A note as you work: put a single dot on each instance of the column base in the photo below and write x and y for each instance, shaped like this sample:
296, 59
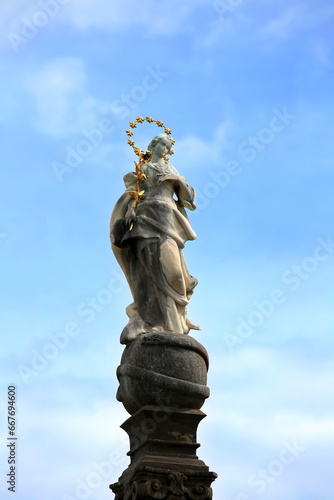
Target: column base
164, 464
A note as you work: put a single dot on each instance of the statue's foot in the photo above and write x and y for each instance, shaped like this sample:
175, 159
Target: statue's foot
192, 325
137, 327
128, 335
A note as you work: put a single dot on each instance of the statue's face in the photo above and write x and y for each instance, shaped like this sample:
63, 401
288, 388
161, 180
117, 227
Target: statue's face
162, 148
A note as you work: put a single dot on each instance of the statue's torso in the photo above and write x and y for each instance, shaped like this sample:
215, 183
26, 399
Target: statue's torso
155, 188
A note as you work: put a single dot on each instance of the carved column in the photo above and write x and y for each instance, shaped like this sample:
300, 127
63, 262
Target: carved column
162, 380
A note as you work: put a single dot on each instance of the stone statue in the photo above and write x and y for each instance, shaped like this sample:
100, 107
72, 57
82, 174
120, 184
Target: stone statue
148, 229
163, 373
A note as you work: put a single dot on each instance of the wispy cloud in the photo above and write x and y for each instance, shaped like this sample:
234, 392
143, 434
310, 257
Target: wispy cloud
300, 15
194, 151
283, 25
216, 90
155, 18
322, 53
261, 399
63, 105
268, 397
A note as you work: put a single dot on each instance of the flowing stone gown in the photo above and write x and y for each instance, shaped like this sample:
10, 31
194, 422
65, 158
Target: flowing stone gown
152, 247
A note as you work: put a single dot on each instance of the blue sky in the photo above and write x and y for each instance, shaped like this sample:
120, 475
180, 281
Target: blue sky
247, 89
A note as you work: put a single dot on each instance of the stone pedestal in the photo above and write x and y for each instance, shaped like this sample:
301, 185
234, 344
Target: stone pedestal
163, 385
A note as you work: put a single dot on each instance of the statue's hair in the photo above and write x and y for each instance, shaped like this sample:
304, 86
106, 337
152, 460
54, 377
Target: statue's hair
155, 141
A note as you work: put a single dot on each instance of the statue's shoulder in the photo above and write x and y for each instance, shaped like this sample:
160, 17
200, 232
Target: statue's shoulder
149, 170
130, 179
173, 169
151, 175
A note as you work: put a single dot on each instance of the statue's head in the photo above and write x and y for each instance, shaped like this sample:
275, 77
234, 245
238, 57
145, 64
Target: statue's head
158, 138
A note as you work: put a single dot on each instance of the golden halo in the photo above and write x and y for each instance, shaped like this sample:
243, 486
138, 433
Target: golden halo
145, 156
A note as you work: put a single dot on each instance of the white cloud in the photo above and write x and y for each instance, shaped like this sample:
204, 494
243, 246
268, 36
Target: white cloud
11, 13
263, 24
193, 151
260, 400
63, 104
282, 26
270, 394
322, 54
76, 437
302, 15
153, 17
24, 21
308, 427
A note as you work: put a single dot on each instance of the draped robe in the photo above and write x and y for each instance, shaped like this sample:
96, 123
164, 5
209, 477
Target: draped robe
160, 217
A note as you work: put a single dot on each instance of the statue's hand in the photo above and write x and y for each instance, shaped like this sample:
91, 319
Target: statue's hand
130, 216
130, 222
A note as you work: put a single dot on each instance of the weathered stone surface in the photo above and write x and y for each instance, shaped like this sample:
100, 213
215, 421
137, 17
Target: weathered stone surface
148, 237
163, 369
149, 483
164, 464
163, 386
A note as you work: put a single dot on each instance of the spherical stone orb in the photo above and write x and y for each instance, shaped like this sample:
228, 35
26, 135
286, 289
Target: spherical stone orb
163, 369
